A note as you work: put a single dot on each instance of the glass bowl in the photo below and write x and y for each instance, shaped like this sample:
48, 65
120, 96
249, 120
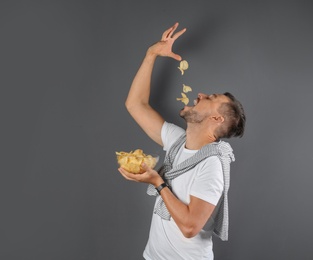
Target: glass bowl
133, 160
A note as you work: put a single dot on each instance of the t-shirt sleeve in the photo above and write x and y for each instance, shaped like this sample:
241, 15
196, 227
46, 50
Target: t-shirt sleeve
169, 134
209, 181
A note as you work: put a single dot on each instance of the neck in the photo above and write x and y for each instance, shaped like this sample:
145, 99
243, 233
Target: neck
197, 136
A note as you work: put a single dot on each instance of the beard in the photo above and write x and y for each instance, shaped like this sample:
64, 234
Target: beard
192, 116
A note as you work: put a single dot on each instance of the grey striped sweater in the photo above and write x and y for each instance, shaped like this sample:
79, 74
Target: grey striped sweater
220, 149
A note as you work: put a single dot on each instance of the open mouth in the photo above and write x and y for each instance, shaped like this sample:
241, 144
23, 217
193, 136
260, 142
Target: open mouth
196, 101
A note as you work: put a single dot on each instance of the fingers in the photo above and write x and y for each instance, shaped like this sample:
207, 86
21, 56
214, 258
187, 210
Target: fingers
173, 28
168, 33
127, 175
142, 177
178, 34
146, 167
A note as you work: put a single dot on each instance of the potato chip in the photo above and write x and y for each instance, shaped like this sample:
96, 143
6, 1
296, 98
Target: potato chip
183, 65
182, 71
183, 99
132, 161
186, 88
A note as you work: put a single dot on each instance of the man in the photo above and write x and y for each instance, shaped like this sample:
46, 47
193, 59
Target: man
192, 186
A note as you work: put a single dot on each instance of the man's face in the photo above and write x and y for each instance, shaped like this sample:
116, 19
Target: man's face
205, 106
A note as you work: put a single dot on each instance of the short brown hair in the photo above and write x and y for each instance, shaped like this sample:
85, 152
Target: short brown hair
234, 116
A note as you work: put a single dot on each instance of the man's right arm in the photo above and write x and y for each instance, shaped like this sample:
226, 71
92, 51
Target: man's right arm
137, 102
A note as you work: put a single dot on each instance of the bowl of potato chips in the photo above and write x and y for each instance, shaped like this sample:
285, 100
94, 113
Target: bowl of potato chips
132, 161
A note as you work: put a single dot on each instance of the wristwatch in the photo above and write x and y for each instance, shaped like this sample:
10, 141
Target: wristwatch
162, 186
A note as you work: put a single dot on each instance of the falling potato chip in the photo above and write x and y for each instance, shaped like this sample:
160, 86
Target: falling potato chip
186, 88
183, 66
183, 99
132, 161
182, 71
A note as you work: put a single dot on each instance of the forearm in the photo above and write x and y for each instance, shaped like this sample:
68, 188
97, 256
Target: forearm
189, 218
140, 89
139, 92
180, 213
137, 102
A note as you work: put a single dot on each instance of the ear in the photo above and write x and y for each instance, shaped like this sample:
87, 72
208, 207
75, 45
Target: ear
218, 119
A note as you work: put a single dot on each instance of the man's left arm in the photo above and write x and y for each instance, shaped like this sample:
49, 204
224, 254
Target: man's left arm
189, 218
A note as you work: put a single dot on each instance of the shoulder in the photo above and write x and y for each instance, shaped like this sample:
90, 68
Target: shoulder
208, 182
212, 165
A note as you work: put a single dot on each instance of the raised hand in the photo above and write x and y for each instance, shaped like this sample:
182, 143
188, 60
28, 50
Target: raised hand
164, 46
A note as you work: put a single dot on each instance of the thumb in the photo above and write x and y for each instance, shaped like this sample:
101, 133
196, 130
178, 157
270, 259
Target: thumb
176, 56
146, 167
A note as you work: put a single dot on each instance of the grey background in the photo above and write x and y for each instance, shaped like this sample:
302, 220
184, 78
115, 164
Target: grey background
66, 67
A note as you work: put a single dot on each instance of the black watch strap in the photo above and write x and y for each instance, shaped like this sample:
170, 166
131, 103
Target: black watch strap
161, 187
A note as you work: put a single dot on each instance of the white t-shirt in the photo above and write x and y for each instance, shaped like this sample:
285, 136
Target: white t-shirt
204, 181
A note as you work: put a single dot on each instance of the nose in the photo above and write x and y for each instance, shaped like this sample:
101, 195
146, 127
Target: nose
202, 96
